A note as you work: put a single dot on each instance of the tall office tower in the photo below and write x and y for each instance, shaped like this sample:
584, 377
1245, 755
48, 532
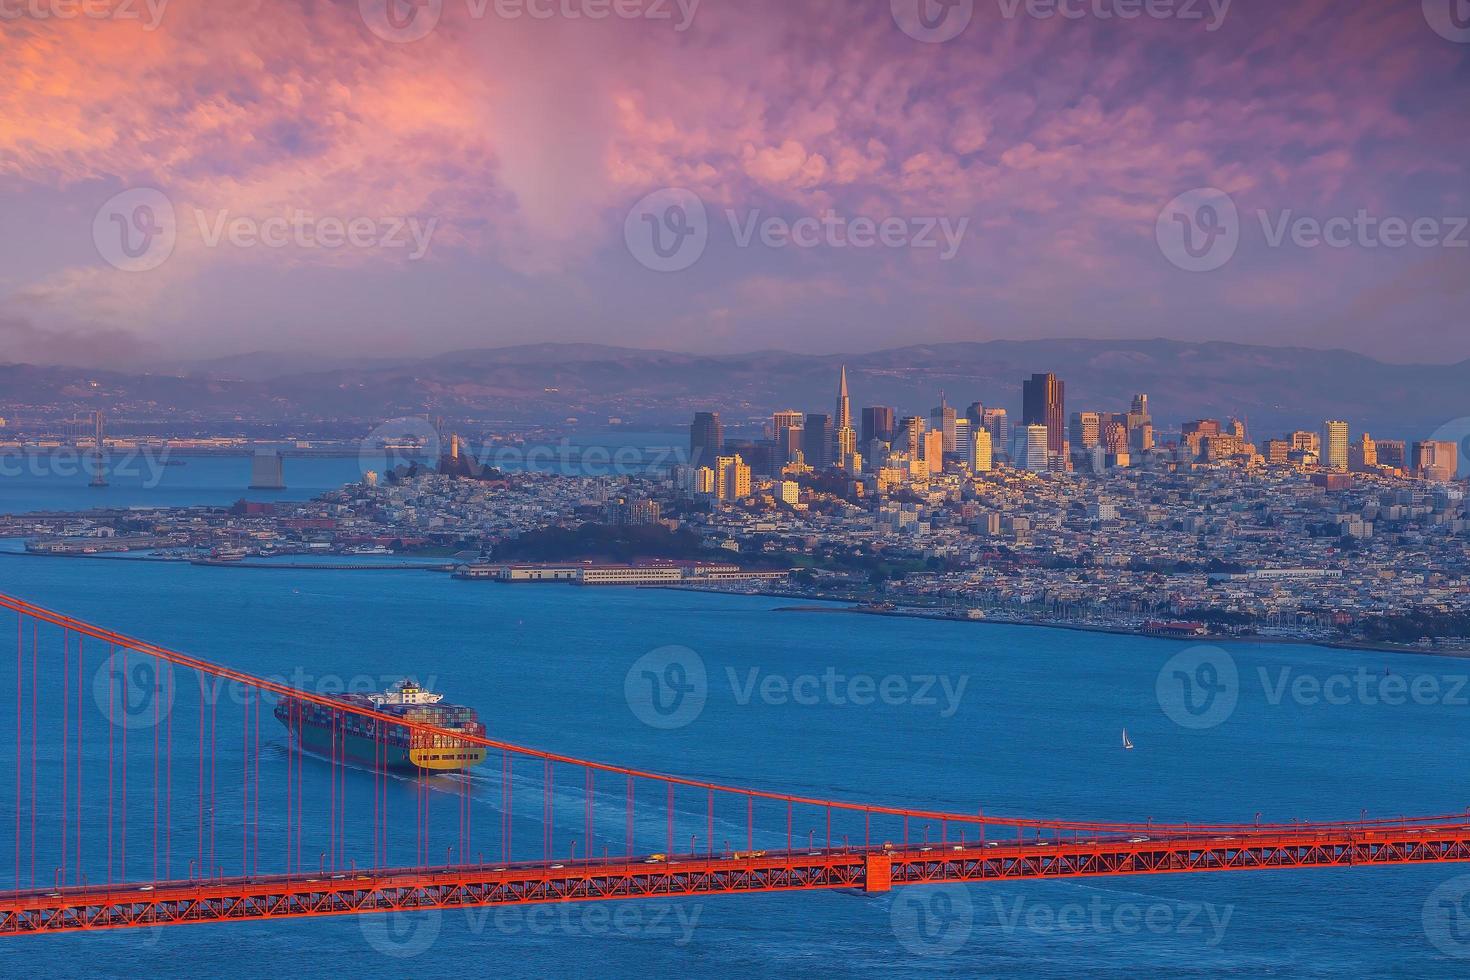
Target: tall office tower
732, 478
983, 455
788, 447
706, 438
817, 441
1044, 403
911, 434
998, 424
1038, 454
1392, 452
1140, 437
844, 403
877, 424
1306, 442
1335, 445
1114, 438
1140, 408
964, 446
846, 445
976, 414
1086, 429
943, 418
783, 422
1237, 429
934, 450
1363, 454
1436, 460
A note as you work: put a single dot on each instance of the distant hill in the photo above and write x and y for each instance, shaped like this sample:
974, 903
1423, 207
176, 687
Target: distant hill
1274, 388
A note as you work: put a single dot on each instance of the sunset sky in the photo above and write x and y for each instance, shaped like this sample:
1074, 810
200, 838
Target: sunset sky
515, 146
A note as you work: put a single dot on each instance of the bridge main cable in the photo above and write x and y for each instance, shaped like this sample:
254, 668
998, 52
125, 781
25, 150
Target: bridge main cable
205, 667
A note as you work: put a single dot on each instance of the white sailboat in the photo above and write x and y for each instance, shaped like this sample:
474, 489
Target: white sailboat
1127, 744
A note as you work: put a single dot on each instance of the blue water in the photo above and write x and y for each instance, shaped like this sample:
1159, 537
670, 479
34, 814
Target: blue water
1035, 732
60, 482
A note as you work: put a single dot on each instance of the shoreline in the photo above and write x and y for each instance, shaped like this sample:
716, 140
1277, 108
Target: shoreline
854, 607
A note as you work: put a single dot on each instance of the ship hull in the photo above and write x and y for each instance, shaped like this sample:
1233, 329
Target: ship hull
393, 755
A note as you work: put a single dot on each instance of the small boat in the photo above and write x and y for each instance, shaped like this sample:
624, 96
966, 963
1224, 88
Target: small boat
1127, 744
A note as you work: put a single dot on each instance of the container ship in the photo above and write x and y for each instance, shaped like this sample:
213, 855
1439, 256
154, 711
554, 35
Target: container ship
379, 744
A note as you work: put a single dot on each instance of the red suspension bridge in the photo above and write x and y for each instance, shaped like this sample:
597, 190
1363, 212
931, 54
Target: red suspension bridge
154, 788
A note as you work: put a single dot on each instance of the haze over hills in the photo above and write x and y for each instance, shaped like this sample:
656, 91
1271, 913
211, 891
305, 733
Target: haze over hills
1273, 388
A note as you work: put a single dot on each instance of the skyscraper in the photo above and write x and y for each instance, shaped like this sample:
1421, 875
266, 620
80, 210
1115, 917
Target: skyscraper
706, 437
877, 424
844, 403
783, 424
998, 423
1436, 460
732, 478
911, 434
942, 418
845, 437
1335, 445
1044, 403
983, 456
817, 441
1086, 429
1038, 452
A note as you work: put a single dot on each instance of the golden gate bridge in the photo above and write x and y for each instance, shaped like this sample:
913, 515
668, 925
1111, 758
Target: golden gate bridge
180, 811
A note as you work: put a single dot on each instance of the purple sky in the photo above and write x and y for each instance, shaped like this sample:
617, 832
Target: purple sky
1037, 155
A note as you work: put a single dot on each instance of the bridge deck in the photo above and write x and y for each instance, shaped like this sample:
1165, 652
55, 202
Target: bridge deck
873, 869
